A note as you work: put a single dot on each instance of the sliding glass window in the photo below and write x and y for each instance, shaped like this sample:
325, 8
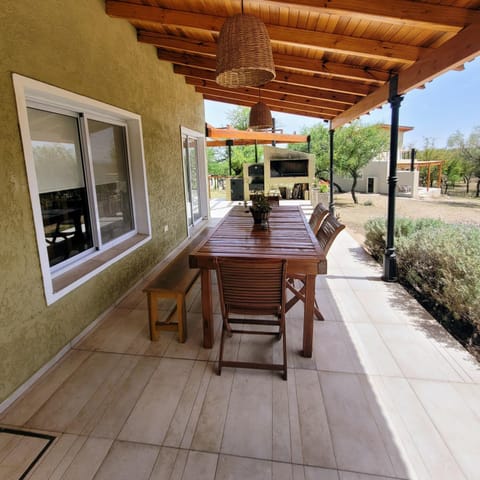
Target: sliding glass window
83, 181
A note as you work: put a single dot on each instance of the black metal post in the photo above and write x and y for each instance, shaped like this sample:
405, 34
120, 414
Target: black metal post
413, 152
274, 143
256, 152
309, 143
229, 145
331, 205
390, 257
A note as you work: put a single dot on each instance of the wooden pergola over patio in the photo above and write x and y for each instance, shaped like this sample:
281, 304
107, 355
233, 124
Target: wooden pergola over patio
428, 164
221, 137
333, 59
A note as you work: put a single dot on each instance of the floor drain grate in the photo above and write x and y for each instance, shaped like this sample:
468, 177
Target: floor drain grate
37, 450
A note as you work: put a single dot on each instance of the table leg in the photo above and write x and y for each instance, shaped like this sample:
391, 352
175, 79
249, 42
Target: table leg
207, 314
308, 315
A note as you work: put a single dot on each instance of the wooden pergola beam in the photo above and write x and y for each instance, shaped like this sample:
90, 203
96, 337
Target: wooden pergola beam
266, 96
340, 99
249, 100
249, 135
462, 48
292, 79
319, 66
284, 109
405, 12
327, 41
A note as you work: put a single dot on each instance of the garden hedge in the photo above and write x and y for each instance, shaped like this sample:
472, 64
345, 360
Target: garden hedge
440, 264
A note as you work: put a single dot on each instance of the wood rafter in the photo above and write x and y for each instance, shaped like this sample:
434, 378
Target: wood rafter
250, 135
437, 17
284, 109
333, 59
249, 100
212, 88
197, 53
326, 41
291, 79
462, 48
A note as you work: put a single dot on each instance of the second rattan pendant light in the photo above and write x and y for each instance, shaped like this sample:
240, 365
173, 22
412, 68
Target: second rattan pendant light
244, 53
260, 116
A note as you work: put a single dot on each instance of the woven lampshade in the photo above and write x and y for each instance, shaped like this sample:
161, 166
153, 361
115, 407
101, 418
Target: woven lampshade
260, 117
244, 53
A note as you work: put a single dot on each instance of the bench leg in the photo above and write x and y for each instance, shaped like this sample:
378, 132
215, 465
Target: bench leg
182, 318
207, 311
152, 316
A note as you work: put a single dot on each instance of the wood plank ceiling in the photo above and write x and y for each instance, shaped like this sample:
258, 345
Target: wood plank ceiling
333, 58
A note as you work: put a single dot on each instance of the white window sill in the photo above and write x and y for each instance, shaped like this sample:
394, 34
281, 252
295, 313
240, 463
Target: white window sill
66, 282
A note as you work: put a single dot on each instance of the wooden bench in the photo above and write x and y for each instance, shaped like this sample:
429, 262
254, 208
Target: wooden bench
174, 281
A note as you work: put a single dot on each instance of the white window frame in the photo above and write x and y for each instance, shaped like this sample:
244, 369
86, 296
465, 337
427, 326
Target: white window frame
31, 92
202, 175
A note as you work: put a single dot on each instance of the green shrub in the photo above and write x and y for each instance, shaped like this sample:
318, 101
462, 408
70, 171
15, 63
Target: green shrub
442, 263
376, 232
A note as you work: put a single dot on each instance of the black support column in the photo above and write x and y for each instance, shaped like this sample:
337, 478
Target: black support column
331, 205
390, 257
229, 145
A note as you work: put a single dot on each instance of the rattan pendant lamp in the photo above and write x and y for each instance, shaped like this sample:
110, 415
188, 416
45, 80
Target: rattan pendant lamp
244, 53
260, 116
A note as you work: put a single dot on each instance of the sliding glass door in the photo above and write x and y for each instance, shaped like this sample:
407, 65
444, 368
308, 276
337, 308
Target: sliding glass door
193, 148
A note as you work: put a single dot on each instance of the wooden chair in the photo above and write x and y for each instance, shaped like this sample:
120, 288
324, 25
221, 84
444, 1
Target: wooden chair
328, 232
248, 289
318, 215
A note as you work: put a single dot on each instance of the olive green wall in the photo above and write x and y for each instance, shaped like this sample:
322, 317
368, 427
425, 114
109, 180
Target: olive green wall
74, 45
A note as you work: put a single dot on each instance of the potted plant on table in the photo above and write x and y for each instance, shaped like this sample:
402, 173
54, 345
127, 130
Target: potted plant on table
260, 210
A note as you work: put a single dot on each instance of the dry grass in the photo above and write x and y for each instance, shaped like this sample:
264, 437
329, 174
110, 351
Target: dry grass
448, 209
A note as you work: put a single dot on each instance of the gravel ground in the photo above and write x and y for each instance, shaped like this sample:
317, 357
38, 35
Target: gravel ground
448, 209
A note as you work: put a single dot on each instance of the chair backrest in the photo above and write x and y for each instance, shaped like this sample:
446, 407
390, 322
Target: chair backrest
250, 286
329, 229
317, 217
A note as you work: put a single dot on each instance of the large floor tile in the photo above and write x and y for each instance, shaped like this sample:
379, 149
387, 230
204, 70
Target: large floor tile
237, 468
128, 461
387, 394
357, 440
416, 353
457, 422
315, 432
427, 455
154, 411
249, 423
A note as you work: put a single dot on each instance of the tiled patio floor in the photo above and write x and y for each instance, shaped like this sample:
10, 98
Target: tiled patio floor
388, 394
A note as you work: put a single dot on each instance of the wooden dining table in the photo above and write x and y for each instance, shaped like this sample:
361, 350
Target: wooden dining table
287, 237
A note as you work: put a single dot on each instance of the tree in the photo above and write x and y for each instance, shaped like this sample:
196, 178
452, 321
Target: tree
355, 146
238, 118
467, 151
429, 153
452, 171
319, 146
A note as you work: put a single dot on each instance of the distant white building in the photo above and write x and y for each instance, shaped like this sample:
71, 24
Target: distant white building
374, 176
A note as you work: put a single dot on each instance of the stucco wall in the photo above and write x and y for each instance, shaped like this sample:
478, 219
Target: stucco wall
407, 184
74, 45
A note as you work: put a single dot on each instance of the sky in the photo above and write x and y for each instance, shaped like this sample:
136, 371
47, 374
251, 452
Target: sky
448, 103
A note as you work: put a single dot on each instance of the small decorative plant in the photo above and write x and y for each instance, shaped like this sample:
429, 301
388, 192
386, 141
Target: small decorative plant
260, 203
260, 210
